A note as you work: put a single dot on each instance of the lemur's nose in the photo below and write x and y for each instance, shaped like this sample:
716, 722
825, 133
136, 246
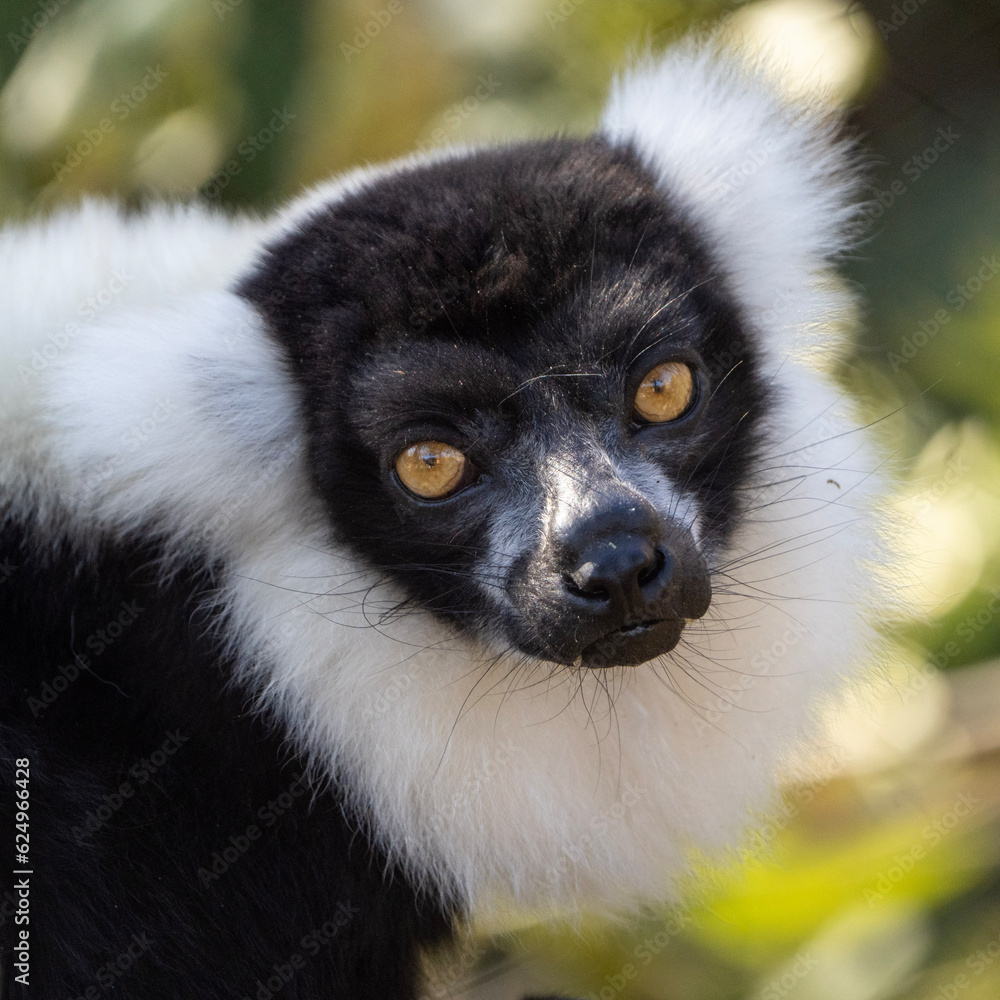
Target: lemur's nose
624, 570
615, 562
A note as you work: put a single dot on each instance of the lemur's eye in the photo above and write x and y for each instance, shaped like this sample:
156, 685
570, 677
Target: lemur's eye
433, 470
665, 393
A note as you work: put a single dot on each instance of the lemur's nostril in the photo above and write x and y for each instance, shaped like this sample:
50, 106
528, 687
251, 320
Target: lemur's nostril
615, 569
651, 571
581, 583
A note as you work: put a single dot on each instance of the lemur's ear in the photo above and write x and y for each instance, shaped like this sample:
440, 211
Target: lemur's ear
766, 178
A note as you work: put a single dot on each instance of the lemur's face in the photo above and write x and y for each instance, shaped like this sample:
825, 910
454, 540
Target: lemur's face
530, 400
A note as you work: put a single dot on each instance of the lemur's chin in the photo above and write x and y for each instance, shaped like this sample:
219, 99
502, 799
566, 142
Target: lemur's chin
635, 644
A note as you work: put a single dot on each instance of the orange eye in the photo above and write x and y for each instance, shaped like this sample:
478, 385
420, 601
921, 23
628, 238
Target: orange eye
433, 470
665, 393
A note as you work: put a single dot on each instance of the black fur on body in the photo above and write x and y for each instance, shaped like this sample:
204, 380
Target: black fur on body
205, 876
474, 298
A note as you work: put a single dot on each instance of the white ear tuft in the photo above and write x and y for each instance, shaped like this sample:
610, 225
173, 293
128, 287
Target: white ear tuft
766, 180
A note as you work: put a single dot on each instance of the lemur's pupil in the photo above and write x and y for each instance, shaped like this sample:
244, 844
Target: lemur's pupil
665, 393
432, 470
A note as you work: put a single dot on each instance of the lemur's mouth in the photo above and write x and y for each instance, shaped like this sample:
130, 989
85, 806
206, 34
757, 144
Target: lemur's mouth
634, 643
640, 626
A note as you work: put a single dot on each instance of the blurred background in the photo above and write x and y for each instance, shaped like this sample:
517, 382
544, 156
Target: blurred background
880, 879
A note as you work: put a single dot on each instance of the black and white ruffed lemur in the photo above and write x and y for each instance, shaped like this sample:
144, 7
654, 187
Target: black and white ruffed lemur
394, 558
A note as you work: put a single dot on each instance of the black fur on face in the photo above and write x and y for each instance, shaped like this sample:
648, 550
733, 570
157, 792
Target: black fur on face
508, 303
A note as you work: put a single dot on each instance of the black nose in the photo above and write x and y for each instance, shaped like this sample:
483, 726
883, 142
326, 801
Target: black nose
618, 571
615, 587
622, 572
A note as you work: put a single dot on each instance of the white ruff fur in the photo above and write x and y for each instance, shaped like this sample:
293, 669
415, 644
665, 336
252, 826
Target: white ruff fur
543, 787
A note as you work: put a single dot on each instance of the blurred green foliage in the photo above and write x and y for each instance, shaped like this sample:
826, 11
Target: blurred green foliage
881, 881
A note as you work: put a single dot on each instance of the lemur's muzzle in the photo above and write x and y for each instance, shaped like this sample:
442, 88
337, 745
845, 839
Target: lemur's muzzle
615, 587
